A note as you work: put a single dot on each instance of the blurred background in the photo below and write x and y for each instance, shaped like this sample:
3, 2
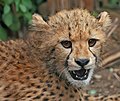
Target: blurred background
15, 16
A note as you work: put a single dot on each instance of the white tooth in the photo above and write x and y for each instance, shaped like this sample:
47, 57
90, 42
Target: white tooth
86, 72
85, 75
73, 72
76, 76
81, 78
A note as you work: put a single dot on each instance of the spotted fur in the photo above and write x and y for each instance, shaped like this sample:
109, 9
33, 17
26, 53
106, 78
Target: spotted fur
34, 69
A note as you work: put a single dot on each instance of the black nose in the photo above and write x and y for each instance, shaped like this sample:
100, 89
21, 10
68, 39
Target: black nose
82, 62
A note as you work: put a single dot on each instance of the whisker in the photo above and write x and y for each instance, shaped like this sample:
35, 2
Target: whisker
62, 72
89, 65
99, 62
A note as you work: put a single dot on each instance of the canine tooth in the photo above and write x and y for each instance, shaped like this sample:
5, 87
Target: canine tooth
85, 75
73, 72
81, 78
76, 76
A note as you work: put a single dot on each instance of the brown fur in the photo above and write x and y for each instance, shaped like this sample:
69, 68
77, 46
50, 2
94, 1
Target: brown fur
31, 69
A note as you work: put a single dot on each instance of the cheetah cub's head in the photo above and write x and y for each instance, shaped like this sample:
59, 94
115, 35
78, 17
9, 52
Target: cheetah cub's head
79, 37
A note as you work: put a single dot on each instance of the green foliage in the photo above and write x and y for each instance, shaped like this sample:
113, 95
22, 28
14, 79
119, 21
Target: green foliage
15, 15
3, 34
114, 4
95, 13
92, 92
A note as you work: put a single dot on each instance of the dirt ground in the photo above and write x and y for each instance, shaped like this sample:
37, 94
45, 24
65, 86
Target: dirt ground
106, 81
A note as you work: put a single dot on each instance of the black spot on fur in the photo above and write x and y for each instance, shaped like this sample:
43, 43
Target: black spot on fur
37, 97
44, 89
71, 96
58, 87
28, 96
69, 34
50, 76
61, 95
27, 77
69, 28
116, 99
66, 87
75, 90
111, 98
101, 98
34, 76
57, 81
6, 100
52, 93
34, 92
47, 81
45, 99
86, 98
6, 88
21, 73
106, 96
40, 81
41, 94
49, 85
32, 84
80, 99
8, 95
38, 86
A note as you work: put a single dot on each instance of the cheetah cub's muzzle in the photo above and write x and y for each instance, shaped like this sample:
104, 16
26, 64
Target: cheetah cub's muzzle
81, 74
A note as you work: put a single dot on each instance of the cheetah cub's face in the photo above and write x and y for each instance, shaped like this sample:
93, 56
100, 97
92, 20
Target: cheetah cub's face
79, 39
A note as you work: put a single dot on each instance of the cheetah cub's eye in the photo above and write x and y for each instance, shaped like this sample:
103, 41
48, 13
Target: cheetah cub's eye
92, 42
66, 44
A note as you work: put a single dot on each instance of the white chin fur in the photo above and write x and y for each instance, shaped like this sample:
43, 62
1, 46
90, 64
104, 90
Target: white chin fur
79, 83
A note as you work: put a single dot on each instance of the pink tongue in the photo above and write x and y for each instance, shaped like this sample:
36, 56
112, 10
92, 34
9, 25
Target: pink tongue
80, 72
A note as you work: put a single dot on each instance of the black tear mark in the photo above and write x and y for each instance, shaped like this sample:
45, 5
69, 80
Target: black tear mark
93, 55
66, 62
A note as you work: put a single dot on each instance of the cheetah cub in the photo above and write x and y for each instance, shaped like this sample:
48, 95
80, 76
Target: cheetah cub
56, 59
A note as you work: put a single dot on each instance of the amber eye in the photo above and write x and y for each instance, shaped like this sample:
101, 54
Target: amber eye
66, 44
92, 42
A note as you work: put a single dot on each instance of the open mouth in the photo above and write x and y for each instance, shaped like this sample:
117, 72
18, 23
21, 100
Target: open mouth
81, 74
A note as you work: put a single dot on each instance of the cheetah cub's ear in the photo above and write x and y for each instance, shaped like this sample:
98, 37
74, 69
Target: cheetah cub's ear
38, 23
104, 20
